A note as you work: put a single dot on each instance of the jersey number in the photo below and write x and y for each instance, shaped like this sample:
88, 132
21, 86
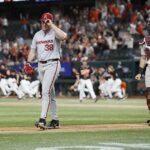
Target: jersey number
49, 47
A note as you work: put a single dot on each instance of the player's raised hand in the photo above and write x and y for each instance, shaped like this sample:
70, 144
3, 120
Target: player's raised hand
49, 22
138, 76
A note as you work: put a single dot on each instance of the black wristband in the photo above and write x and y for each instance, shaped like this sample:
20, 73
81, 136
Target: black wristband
141, 70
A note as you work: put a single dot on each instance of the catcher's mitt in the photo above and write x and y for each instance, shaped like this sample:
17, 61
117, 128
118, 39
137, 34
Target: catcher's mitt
28, 69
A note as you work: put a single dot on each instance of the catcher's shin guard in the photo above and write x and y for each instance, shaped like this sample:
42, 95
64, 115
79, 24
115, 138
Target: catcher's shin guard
147, 94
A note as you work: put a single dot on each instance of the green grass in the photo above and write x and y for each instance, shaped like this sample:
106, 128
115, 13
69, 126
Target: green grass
33, 141
24, 113
14, 113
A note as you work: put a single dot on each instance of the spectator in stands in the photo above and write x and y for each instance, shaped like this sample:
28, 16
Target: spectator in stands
13, 51
84, 24
140, 28
5, 22
24, 20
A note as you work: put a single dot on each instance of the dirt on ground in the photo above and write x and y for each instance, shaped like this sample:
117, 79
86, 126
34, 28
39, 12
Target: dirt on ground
75, 128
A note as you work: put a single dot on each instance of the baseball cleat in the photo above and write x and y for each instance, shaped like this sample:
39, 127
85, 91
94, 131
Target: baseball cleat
54, 124
148, 121
41, 124
36, 124
125, 97
81, 100
96, 99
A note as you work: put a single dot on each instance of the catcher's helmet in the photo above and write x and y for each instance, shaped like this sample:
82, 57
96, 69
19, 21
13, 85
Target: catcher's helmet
46, 16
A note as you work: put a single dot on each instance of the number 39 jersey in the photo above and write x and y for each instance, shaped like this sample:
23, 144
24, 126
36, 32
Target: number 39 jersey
47, 45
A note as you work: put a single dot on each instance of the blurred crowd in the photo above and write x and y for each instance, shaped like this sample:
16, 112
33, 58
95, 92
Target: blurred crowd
93, 32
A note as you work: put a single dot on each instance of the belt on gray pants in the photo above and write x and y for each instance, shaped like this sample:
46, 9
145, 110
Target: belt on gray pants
46, 61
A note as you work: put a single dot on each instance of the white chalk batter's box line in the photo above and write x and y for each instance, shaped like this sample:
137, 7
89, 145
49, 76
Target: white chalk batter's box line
103, 146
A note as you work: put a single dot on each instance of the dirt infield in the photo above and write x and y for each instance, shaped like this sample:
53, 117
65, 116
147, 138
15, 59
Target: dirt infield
102, 106
77, 105
75, 128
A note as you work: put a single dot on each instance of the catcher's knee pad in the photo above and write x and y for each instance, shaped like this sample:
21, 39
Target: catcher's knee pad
147, 94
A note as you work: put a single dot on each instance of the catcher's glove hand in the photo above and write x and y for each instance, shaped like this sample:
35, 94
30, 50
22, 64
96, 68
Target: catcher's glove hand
28, 69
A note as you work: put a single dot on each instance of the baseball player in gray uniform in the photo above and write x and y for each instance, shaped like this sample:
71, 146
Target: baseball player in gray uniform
145, 60
46, 45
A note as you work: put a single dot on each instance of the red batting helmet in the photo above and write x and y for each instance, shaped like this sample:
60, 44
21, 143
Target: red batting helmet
46, 16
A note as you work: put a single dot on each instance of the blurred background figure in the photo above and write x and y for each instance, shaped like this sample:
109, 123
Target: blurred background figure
104, 32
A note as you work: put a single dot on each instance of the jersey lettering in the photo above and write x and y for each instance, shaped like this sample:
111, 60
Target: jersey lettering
44, 42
